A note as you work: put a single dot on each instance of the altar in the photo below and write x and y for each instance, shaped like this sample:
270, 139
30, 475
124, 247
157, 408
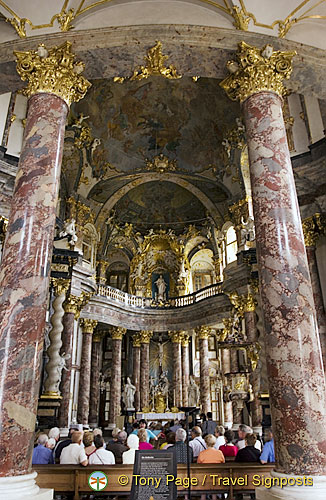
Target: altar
167, 416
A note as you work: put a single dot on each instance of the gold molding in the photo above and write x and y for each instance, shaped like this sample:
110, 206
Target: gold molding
313, 227
60, 285
3, 228
240, 15
74, 304
88, 325
176, 336
257, 70
242, 303
203, 332
136, 340
117, 332
185, 340
52, 71
145, 336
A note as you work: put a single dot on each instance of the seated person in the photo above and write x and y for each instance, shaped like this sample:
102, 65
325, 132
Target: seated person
143, 444
169, 441
243, 431
101, 456
209, 426
128, 457
65, 442
88, 443
118, 447
268, 453
197, 443
42, 454
219, 434
229, 449
74, 453
180, 447
143, 425
249, 453
210, 455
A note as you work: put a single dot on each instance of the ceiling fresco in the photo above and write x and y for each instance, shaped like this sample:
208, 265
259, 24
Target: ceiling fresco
182, 119
156, 204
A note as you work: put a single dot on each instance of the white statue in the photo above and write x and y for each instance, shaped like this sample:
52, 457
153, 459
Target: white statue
95, 145
160, 354
79, 121
61, 366
129, 395
70, 230
163, 384
193, 392
247, 232
161, 288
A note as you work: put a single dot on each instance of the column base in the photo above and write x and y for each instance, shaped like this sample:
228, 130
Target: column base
317, 491
14, 487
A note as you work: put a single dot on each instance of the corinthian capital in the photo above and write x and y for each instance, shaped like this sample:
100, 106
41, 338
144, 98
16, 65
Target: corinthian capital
203, 332
88, 325
117, 332
52, 71
257, 70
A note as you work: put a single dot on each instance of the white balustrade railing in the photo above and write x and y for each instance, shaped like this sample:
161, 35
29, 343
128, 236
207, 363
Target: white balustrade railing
146, 302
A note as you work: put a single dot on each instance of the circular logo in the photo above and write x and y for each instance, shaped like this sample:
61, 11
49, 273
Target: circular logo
97, 480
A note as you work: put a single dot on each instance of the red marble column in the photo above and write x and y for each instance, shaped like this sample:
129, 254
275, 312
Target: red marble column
117, 334
136, 343
227, 407
87, 326
145, 337
297, 382
65, 386
27, 253
203, 333
94, 399
318, 299
176, 338
185, 368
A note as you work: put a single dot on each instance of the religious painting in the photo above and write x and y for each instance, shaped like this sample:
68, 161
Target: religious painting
211, 343
160, 286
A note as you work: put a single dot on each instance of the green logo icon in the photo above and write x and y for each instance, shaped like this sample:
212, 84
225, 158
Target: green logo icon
97, 480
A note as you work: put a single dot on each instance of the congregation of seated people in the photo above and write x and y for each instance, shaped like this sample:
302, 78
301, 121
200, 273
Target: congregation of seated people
207, 443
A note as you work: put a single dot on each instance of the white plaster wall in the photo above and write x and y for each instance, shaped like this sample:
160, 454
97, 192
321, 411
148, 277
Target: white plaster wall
16, 132
4, 105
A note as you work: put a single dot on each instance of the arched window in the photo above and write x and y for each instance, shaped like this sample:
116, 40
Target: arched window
231, 246
117, 276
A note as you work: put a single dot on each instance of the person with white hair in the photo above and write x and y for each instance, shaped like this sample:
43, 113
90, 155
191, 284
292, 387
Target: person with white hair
243, 432
54, 433
128, 457
51, 444
180, 447
41, 454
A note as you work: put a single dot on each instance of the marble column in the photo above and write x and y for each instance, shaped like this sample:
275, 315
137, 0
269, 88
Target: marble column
87, 326
294, 364
53, 366
145, 338
176, 338
227, 405
185, 368
117, 334
94, 398
136, 343
310, 238
203, 333
53, 83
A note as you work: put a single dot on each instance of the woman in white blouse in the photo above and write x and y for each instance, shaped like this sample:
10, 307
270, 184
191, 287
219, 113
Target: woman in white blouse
101, 456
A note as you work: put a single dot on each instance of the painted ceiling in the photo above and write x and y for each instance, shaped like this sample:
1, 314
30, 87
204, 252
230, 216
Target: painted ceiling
138, 120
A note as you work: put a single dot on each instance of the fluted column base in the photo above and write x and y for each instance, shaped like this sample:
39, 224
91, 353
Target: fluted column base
14, 487
287, 492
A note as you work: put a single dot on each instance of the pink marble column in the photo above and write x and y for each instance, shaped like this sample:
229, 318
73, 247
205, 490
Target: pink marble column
94, 399
203, 333
176, 338
136, 343
145, 337
185, 368
65, 386
318, 299
297, 382
117, 334
227, 407
24, 278
87, 326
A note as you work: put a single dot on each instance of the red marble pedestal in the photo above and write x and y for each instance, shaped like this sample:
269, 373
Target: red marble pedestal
296, 378
24, 279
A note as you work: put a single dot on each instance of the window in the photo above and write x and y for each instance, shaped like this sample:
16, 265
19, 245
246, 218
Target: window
231, 245
201, 280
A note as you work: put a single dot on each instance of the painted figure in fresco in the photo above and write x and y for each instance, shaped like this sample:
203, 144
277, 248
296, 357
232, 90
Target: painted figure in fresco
193, 392
161, 288
129, 394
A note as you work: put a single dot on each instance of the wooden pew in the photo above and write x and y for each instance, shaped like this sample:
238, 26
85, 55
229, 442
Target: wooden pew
230, 477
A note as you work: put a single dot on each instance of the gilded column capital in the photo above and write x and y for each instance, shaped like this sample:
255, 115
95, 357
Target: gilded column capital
74, 304
60, 285
136, 340
257, 70
176, 336
52, 71
88, 325
117, 332
310, 231
98, 336
145, 336
203, 332
185, 339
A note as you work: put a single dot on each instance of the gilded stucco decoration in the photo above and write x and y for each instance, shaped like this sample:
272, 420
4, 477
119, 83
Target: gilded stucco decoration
73, 10
313, 227
257, 70
52, 70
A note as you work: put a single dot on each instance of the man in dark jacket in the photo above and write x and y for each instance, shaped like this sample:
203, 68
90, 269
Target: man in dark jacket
118, 447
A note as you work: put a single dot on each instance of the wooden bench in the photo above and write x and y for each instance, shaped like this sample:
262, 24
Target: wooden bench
209, 478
